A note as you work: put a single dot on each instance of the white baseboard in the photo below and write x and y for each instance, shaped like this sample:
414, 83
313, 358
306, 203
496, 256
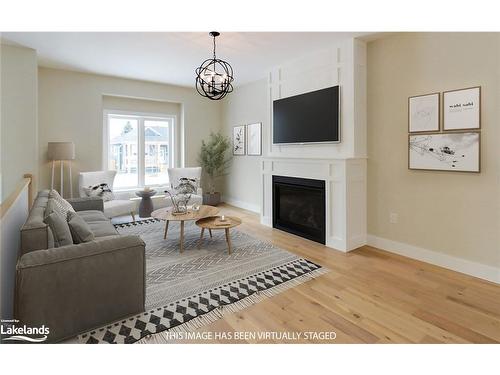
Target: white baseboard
468, 267
245, 205
356, 242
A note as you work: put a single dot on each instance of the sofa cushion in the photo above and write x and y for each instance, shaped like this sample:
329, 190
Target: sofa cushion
80, 230
118, 207
86, 204
98, 223
102, 228
60, 229
92, 215
60, 204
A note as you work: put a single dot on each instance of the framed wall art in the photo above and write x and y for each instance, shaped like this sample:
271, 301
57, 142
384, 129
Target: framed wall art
239, 140
254, 139
423, 113
462, 109
445, 151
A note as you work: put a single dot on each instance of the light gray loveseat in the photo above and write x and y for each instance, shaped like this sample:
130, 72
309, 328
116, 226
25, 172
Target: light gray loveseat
75, 288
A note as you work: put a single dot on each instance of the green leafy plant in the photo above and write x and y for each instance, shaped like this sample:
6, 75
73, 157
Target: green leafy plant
214, 158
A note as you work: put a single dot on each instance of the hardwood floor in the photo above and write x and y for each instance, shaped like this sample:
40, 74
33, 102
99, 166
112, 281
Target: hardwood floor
369, 296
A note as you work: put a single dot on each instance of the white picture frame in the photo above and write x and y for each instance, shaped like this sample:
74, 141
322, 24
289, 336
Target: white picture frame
254, 139
460, 152
423, 113
239, 140
462, 109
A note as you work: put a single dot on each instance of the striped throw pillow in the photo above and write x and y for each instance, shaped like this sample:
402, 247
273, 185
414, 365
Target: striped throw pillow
60, 204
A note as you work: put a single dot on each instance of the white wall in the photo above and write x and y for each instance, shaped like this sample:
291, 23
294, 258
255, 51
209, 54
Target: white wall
71, 106
246, 105
18, 107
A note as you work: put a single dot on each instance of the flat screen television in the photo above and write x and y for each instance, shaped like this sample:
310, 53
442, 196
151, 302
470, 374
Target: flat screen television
307, 118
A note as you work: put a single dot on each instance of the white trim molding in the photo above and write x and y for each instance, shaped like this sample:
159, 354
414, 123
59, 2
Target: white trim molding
465, 266
342, 64
341, 165
345, 195
141, 117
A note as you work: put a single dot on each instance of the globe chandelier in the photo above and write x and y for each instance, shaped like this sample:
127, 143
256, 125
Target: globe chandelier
214, 76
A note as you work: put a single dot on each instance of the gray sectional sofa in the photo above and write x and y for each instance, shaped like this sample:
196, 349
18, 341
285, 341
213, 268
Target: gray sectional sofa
74, 288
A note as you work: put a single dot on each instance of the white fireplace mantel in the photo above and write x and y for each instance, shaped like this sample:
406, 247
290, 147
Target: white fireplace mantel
343, 165
345, 190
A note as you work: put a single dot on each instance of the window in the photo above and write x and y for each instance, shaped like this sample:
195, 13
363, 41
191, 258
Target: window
139, 148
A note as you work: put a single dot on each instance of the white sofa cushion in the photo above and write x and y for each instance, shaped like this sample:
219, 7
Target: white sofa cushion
118, 207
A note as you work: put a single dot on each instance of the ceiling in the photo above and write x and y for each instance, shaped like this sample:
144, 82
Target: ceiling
170, 57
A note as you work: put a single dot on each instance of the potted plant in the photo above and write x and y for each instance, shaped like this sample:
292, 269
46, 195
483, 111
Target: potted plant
214, 160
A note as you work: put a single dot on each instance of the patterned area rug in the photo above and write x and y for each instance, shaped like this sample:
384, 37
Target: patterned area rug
186, 291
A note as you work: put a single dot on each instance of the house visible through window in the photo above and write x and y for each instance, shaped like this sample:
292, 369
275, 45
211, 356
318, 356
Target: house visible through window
140, 149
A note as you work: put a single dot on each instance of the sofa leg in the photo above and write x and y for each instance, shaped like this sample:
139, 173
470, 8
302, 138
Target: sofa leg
133, 216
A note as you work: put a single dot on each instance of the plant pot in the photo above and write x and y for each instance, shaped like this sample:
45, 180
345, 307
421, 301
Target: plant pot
211, 199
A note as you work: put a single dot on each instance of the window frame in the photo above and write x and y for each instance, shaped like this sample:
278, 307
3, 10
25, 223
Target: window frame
141, 117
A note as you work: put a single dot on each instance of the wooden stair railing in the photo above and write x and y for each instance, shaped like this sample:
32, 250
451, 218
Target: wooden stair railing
9, 201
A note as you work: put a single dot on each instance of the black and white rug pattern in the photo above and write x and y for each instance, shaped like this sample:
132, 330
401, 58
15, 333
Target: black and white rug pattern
206, 304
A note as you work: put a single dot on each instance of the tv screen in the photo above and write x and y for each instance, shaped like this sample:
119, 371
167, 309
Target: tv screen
306, 118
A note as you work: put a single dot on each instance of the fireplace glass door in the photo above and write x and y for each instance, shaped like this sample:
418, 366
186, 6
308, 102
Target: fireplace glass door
299, 207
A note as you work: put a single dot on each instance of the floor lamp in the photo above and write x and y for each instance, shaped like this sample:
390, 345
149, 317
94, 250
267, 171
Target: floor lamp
60, 151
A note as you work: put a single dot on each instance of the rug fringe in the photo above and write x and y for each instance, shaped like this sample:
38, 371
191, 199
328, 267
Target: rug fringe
220, 312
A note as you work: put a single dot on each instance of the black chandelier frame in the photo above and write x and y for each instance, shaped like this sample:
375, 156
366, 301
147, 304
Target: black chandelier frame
214, 77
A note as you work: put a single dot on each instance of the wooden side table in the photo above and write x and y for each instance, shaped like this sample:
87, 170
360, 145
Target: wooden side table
146, 205
210, 223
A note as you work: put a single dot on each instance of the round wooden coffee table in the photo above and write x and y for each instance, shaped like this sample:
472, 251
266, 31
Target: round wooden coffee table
214, 222
167, 215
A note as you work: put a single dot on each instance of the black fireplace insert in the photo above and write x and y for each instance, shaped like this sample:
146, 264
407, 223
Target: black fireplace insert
299, 207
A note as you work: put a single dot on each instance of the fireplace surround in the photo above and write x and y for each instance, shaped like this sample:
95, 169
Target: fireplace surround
299, 207
345, 195
342, 166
